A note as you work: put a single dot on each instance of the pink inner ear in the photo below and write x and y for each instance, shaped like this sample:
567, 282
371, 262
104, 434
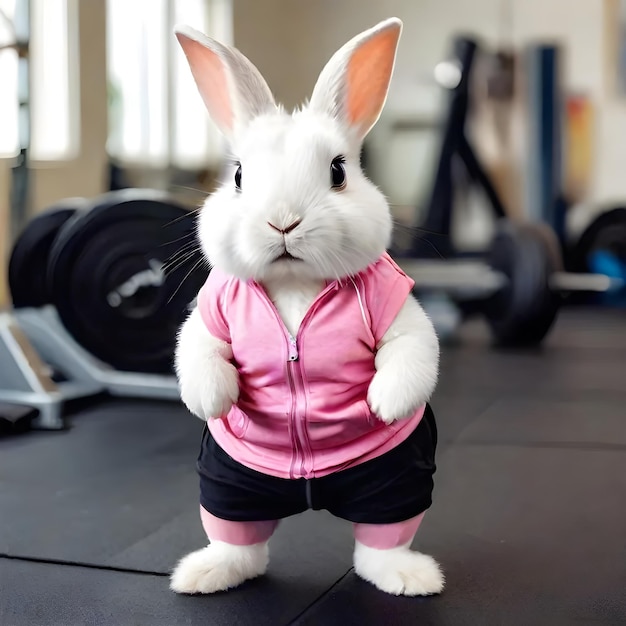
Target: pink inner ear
210, 75
369, 73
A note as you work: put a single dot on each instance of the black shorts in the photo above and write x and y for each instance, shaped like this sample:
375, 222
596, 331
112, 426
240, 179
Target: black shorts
391, 488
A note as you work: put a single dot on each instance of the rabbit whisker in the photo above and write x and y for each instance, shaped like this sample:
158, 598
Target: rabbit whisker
196, 265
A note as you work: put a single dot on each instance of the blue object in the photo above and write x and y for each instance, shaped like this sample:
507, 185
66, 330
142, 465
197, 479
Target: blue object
603, 262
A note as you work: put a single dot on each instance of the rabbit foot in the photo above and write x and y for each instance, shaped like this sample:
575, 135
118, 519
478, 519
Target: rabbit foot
218, 567
399, 571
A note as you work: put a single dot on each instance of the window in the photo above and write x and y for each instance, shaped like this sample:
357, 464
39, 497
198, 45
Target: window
8, 80
156, 116
53, 135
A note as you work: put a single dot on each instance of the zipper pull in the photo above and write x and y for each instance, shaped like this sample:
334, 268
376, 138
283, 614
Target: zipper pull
293, 349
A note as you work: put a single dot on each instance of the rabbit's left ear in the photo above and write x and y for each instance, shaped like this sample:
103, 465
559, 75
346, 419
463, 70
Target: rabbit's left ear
353, 86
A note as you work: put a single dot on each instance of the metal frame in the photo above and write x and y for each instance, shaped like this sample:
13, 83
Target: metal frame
464, 279
20, 196
433, 236
33, 343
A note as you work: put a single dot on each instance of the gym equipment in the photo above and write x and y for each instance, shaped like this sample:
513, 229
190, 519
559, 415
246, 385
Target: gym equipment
43, 367
496, 287
29, 256
606, 234
108, 280
113, 310
602, 249
433, 238
518, 287
523, 310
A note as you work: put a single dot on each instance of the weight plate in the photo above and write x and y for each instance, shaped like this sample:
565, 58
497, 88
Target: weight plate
522, 313
111, 283
605, 235
29, 256
602, 249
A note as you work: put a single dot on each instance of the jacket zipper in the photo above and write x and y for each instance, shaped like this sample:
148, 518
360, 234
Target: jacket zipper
292, 357
299, 437
296, 380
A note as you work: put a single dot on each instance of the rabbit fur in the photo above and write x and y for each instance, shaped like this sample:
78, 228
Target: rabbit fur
279, 177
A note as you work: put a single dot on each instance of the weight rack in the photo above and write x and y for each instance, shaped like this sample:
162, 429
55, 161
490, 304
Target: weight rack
34, 345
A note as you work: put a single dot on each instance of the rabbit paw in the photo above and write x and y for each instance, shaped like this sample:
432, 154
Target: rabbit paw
399, 571
390, 398
218, 567
210, 392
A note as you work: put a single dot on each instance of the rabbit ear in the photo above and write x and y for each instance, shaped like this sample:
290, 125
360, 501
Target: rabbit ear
232, 89
354, 84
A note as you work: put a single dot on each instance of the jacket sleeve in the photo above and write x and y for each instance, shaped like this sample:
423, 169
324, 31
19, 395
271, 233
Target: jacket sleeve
387, 288
211, 303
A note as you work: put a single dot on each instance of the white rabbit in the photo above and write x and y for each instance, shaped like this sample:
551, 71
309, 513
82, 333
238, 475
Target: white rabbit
295, 218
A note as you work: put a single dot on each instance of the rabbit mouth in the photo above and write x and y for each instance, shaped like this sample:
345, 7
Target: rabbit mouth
286, 256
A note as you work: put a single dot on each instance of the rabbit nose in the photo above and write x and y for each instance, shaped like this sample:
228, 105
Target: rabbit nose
288, 229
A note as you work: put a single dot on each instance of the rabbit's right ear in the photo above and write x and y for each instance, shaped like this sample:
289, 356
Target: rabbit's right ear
231, 87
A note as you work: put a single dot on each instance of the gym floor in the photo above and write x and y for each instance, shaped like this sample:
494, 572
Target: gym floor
529, 517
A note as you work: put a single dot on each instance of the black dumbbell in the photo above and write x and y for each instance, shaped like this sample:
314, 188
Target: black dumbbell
109, 280
518, 287
29, 255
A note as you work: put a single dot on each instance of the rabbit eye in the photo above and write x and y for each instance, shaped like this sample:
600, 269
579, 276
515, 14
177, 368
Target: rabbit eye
238, 177
338, 172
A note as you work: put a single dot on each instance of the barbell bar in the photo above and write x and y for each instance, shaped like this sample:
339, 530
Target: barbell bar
477, 279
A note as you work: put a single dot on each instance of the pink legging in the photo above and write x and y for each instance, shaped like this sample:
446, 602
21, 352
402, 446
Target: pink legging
380, 536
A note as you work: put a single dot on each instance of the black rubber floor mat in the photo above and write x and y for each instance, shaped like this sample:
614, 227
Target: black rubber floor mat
40, 594
525, 535
120, 489
528, 517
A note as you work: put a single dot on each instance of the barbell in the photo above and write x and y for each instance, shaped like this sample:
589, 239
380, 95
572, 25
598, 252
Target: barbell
520, 284
476, 278
120, 270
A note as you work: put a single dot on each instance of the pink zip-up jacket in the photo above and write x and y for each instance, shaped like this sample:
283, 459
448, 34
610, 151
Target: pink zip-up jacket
302, 409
